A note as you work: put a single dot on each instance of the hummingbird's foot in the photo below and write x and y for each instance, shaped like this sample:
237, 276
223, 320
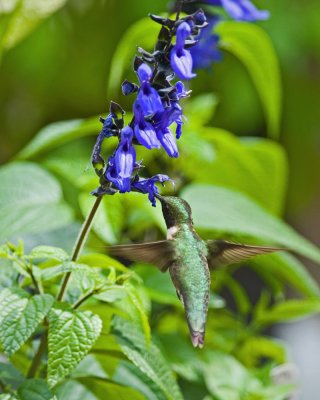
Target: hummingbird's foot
197, 339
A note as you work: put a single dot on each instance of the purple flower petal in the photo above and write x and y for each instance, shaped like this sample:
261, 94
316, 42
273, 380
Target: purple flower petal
168, 143
183, 31
148, 186
144, 73
149, 99
181, 63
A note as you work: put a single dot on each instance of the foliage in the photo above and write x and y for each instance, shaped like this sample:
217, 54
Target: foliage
120, 332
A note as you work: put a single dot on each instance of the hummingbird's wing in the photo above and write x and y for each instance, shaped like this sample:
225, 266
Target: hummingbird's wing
160, 253
221, 252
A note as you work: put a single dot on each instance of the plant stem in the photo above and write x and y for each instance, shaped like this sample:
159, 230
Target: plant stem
84, 298
37, 358
83, 234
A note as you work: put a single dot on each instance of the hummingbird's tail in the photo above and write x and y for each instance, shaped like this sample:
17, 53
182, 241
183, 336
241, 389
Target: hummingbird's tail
197, 338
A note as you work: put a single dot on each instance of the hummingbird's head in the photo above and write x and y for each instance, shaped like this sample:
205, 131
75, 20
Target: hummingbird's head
175, 210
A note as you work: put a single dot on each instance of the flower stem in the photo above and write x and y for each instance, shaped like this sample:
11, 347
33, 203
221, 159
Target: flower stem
37, 358
81, 239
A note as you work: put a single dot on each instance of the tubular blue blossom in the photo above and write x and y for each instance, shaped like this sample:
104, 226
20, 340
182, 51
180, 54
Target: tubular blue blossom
148, 186
148, 97
240, 10
121, 164
143, 130
205, 52
180, 58
168, 142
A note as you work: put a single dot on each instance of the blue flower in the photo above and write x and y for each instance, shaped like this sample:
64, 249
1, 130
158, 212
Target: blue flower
121, 164
148, 97
241, 10
180, 58
162, 121
143, 130
205, 52
148, 186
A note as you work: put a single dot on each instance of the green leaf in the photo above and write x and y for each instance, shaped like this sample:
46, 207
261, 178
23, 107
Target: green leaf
30, 201
9, 375
226, 212
200, 109
35, 389
57, 134
20, 316
288, 269
142, 33
24, 17
72, 333
104, 389
253, 47
288, 311
49, 252
8, 396
147, 358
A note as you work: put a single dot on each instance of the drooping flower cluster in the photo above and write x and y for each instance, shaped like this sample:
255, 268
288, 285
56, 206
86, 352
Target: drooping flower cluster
156, 108
183, 44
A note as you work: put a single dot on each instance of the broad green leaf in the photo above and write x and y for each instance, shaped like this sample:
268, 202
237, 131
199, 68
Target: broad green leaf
60, 269
49, 252
133, 377
226, 212
9, 375
20, 316
8, 396
71, 389
288, 269
288, 311
72, 333
147, 358
59, 133
25, 16
102, 261
143, 33
104, 389
200, 109
257, 167
30, 201
35, 389
252, 46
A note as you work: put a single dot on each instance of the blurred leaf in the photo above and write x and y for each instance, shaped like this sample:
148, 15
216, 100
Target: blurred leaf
49, 252
255, 349
30, 201
287, 311
20, 316
35, 389
59, 133
224, 211
25, 16
10, 375
253, 47
289, 270
142, 33
71, 335
239, 294
73, 390
104, 389
7, 396
102, 261
200, 109
147, 358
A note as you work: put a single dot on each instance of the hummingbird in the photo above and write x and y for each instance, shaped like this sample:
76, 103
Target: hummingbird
189, 260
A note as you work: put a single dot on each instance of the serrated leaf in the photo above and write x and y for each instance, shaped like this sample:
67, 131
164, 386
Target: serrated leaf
147, 358
227, 212
72, 333
35, 389
30, 201
49, 252
57, 134
20, 316
253, 47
